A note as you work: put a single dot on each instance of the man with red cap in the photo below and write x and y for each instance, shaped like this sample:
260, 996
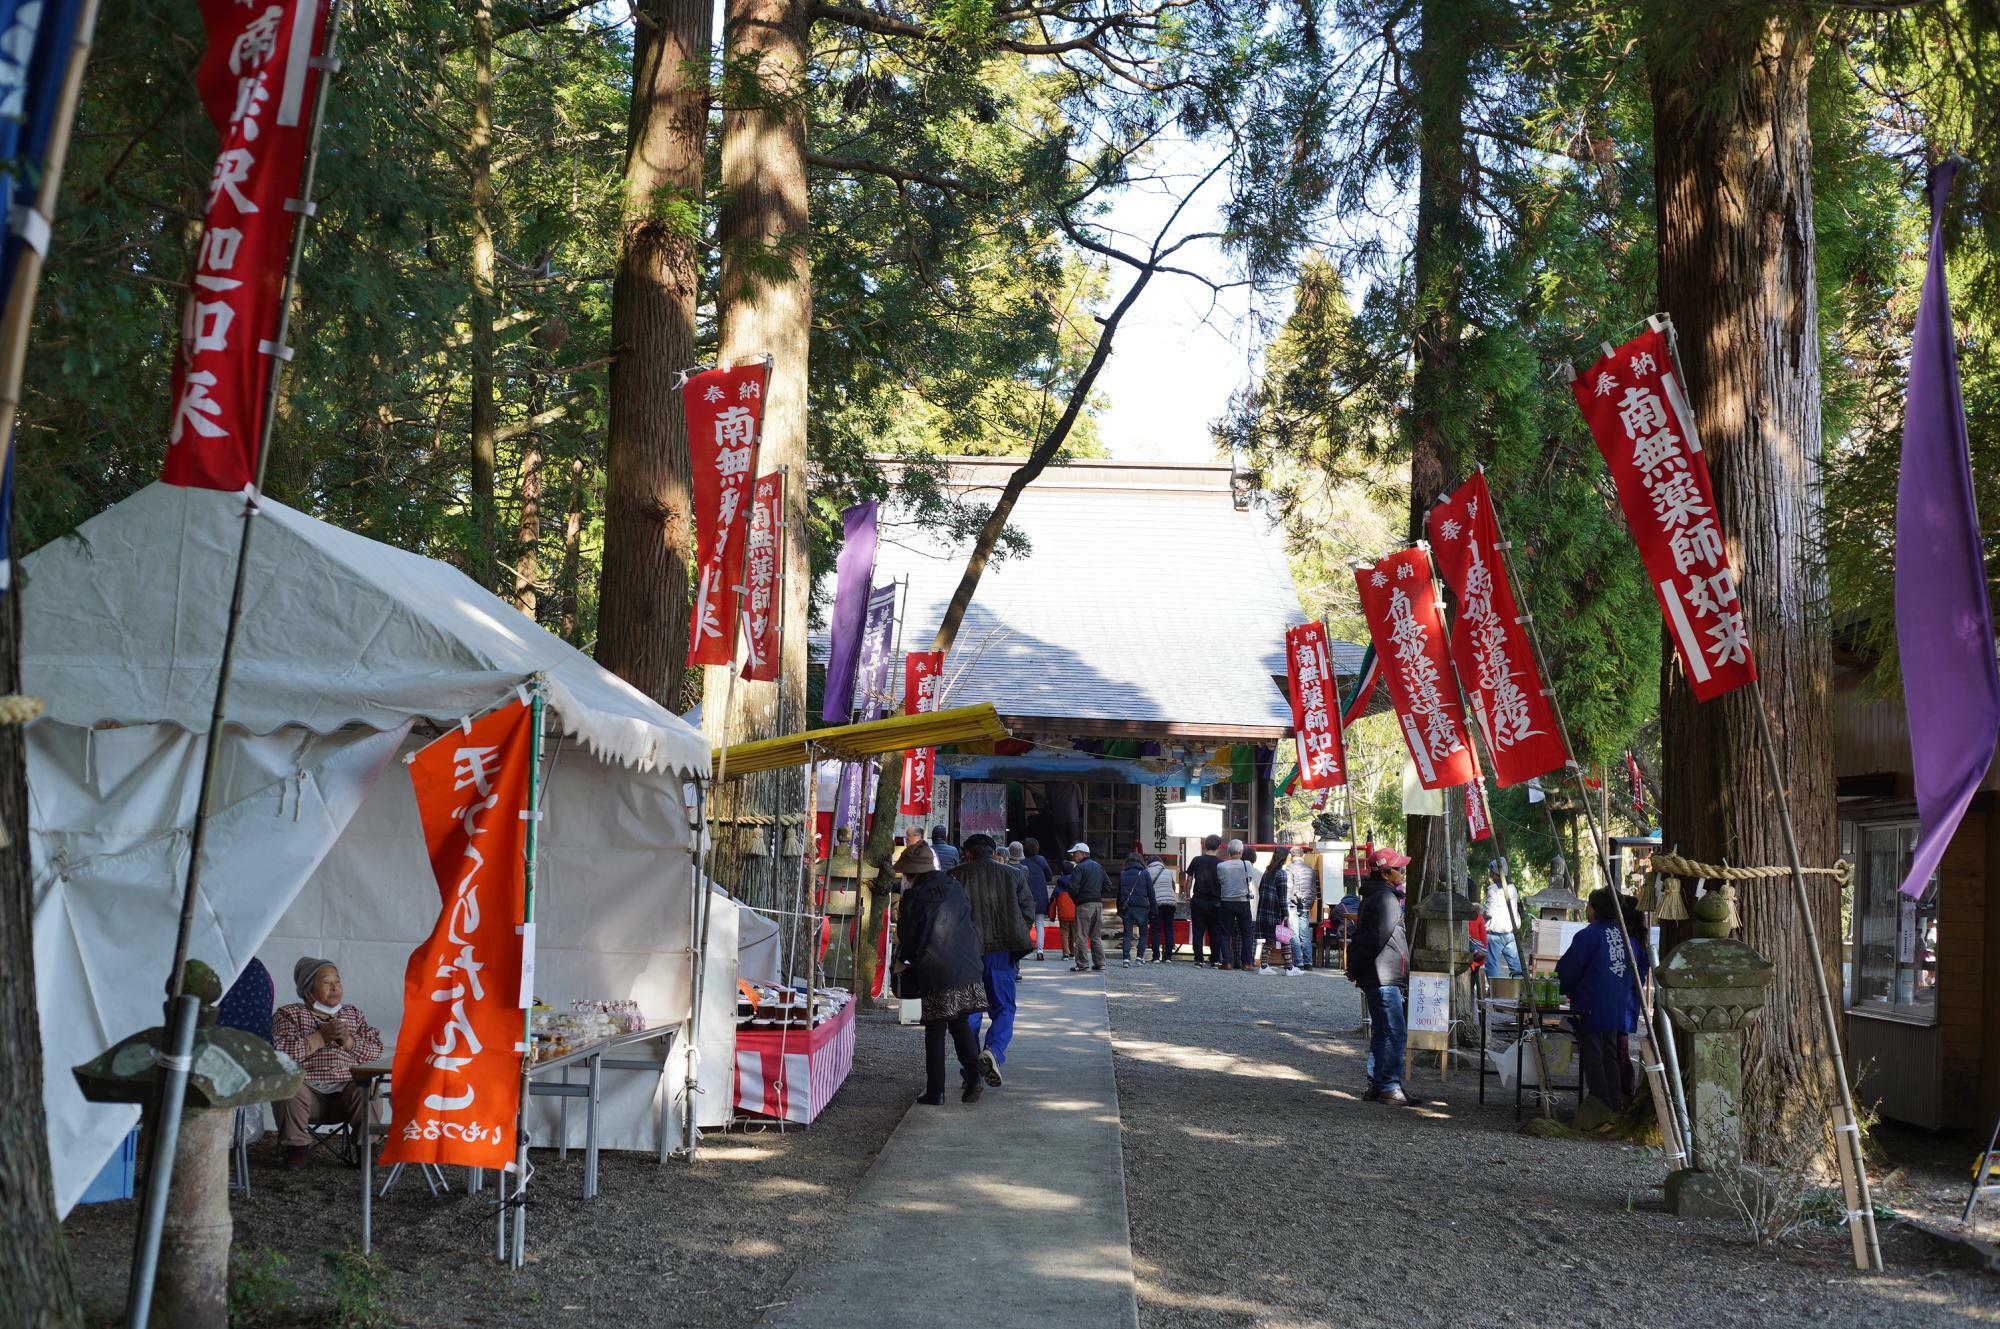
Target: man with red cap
1378, 961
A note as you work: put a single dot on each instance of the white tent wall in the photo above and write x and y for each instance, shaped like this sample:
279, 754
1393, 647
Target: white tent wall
613, 900
108, 817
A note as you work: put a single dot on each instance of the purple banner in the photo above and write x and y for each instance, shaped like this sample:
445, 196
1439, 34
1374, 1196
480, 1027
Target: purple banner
873, 698
1944, 623
853, 573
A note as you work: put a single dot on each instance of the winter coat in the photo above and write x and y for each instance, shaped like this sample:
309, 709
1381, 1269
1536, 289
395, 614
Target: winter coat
1378, 952
1038, 881
1088, 882
1596, 976
1273, 901
1135, 892
1301, 884
1002, 909
937, 938
1162, 878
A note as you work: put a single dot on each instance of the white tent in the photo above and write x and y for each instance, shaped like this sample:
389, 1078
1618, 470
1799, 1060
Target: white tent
350, 652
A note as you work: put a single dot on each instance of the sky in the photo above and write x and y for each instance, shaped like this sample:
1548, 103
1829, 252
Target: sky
1183, 349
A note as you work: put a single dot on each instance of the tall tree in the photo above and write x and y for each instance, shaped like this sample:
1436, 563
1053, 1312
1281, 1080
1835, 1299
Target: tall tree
485, 261
1733, 165
648, 530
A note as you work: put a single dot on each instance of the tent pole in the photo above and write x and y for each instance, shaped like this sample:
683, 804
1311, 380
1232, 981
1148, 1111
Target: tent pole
167, 1118
519, 1247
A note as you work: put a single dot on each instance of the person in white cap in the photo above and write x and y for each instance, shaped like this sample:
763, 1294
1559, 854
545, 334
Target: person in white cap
1087, 885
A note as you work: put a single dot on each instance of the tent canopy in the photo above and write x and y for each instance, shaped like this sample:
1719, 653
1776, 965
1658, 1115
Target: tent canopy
856, 742
126, 618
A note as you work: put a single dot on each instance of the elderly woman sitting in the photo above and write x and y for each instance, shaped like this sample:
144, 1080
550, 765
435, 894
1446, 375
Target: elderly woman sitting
327, 1038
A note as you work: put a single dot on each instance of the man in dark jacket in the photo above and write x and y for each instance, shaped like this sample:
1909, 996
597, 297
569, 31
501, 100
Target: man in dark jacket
1088, 886
1378, 961
1003, 911
1038, 886
948, 857
1135, 907
1205, 898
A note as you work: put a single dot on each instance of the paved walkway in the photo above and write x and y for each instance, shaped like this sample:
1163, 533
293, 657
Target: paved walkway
1009, 1212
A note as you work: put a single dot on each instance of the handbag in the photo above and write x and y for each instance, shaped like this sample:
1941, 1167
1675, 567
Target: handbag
1283, 934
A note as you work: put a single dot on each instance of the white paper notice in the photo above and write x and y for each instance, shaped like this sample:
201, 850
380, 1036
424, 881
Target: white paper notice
527, 965
1430, 1003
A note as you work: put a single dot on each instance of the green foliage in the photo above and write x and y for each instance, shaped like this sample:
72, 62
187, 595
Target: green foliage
259, 1290
359, 1299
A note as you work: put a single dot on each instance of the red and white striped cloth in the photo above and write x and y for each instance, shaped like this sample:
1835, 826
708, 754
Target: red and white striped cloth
773, 1066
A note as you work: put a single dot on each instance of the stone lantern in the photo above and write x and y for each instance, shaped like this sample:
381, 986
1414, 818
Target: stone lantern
1712, 986
231, 1069
1555, 902
1442, 940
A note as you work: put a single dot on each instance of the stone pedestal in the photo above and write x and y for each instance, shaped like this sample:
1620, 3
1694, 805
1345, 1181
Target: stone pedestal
1712, 987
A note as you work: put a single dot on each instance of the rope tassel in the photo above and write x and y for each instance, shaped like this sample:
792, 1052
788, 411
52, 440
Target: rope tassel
1673, 906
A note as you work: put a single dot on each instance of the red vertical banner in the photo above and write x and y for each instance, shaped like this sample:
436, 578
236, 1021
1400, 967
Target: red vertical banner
1638, 413
1315, 707
923, 673
458, 1056
1478, 811
763, 614
725, 419
1638, 784
257, 79
1489, 642
1400, 604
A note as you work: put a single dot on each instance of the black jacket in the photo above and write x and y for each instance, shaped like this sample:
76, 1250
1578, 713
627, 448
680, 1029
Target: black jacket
1087, 882
1002, 908
937, 937
1135, 892
1377, 929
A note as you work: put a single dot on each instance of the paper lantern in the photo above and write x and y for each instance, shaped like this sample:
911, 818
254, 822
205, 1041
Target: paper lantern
1193, 820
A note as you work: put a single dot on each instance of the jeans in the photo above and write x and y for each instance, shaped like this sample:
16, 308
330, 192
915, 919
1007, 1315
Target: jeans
1201, 922
968, 1052
1235, 926
1598, 1054
1041, 929
999, 966
1503, 954
1302, 941
1160, 933
1386, 1036
1133, 923
1089, 945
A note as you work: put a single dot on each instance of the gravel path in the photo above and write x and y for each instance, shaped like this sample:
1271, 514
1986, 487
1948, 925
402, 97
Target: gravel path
659, 1246
1264, 1192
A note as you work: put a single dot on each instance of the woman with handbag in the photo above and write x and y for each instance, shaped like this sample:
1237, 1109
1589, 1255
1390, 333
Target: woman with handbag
941, 967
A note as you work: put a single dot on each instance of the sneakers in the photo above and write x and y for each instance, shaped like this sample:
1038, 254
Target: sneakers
1079, 969
1124, 964
1097, 969
930, 1100
1039, 955
989, 1067
1293, 971
973, 1089
1265, 969
1372, 1094
1397, 1098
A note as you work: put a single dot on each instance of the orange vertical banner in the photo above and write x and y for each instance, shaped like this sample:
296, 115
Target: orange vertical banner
457, 1080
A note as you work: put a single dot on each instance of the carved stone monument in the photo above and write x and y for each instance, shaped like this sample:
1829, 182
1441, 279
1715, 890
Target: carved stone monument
1712, 986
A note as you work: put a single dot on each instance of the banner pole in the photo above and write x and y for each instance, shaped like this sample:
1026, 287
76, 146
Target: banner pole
17, 321
166, 1116
1846, 1128
782, 541
518, 1249
1657, 1032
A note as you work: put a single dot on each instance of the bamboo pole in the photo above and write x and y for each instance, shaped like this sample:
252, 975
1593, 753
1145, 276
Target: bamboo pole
17, 318
1675, 1123
1846, 1127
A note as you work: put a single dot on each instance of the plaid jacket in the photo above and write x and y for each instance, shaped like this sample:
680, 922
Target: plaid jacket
326, 1069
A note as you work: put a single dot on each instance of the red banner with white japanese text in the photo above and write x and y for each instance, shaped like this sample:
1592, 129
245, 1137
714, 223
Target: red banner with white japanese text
1496, 661
1315, 707
458, 1064
1638, 412
763, 615
1478, 811
1401, 607
257, 80
923, 676
725, 417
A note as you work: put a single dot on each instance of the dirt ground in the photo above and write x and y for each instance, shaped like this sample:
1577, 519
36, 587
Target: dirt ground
661, 1245
1264, 1192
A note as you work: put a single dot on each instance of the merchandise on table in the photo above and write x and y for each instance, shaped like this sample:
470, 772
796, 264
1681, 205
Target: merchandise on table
558, 1033
764, 1007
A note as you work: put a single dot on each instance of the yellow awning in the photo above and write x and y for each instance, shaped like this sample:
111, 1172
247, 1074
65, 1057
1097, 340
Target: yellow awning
965, 724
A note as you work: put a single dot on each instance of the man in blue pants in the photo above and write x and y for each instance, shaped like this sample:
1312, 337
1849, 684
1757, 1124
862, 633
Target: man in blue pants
1378, 962
1003, 911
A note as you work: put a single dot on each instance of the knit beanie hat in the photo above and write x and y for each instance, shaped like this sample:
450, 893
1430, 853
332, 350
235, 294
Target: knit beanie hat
305, 971
918, 858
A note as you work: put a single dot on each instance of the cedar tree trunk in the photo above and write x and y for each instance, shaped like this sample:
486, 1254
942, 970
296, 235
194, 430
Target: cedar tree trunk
1734, 171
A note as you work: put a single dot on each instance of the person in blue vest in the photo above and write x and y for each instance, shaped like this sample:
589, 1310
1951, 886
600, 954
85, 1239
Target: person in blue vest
1596, 974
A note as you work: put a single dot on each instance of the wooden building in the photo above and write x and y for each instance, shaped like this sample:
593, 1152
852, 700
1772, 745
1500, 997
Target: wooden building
1922, 977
